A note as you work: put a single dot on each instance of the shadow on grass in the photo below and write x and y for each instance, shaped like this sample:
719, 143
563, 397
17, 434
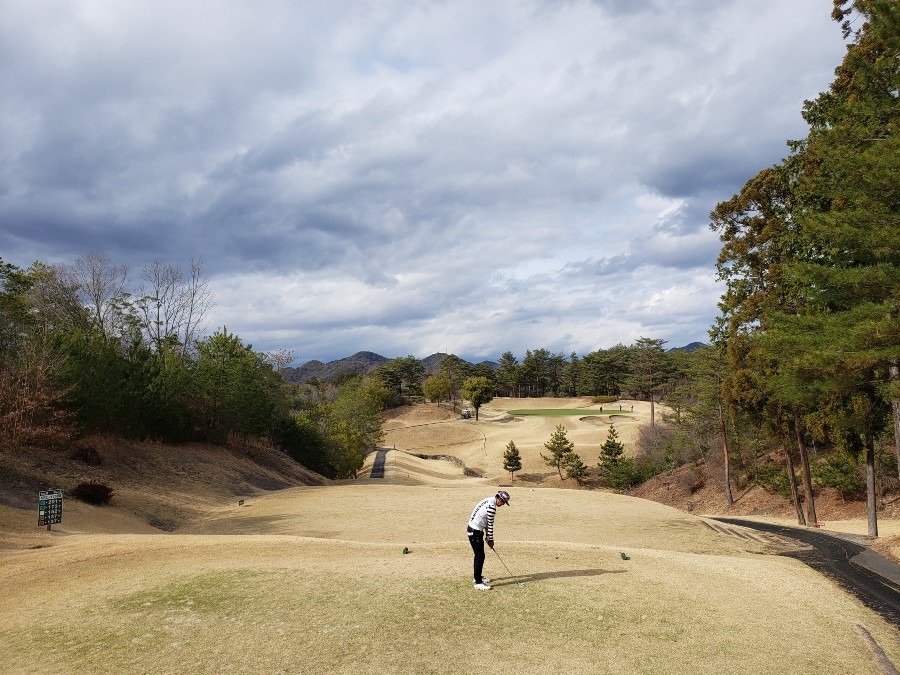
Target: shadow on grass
542, 576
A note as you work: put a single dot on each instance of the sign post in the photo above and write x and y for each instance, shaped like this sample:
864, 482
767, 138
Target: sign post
50, 505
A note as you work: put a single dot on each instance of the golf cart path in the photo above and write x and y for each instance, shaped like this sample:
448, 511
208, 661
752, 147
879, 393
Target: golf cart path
869, 576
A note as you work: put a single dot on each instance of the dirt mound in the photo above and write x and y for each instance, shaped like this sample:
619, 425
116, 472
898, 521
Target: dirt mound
409, 415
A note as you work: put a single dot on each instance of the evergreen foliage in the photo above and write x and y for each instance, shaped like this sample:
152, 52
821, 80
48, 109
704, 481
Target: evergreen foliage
574, 467
512, 460
612, 449
438, 388
811, 260
560, 448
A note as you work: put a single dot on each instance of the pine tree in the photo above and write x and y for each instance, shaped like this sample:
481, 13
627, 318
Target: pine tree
575, 468
512, 460
560, 448
612, 449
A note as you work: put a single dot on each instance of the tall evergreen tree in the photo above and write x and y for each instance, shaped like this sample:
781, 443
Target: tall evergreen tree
509, 374
851, 216
650, 369
812, 257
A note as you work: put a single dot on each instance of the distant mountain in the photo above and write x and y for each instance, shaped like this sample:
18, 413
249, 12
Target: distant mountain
361, 363
432, 363
694, 346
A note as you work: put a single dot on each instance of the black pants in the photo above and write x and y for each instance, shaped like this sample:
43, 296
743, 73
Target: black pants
476, 539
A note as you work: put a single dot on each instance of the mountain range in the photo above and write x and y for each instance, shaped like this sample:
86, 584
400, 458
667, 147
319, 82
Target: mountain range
363, 362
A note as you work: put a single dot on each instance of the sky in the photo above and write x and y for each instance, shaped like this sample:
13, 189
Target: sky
405, 176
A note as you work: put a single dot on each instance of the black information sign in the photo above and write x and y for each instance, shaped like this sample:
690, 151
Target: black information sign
50, 504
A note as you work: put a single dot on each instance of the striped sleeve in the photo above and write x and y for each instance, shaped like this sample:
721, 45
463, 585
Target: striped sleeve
491, 510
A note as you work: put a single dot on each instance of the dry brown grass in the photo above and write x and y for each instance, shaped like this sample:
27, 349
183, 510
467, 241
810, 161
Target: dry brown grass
313, 579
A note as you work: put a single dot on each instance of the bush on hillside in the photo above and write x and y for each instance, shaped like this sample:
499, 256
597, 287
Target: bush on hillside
773, 476
97, 494
628, 473
604, 399
843, 473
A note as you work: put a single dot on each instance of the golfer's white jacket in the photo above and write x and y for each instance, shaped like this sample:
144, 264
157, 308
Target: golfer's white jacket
482, 517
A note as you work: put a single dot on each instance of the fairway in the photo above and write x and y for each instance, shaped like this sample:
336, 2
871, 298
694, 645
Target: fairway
314, 580
561, 412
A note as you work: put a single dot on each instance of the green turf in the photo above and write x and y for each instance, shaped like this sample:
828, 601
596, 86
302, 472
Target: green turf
563, 412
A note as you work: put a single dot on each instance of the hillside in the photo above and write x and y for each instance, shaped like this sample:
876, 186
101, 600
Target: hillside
699, 488
156, 488
360, 363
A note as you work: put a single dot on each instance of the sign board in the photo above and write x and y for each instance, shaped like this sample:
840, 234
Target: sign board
50, 506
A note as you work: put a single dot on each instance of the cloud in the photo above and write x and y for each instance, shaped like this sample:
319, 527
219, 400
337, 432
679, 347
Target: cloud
405, 177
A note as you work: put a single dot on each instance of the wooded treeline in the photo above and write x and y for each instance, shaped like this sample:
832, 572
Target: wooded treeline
810, 320
84, 352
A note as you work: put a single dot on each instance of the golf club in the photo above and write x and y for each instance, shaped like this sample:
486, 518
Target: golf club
520, 583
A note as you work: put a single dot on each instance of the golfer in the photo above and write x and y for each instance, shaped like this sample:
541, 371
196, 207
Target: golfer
481, 522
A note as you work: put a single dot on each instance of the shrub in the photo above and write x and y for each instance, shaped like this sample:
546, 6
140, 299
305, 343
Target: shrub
842, 472
773, 476
88, 455
97, 494
604, 399
629, 472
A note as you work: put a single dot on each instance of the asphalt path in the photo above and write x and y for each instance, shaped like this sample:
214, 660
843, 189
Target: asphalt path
873, 579
378, 465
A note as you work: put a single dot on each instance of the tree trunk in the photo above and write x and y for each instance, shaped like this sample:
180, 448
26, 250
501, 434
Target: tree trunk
895, 375
795, 498
871, 503
807, 478
728, 496
652, 411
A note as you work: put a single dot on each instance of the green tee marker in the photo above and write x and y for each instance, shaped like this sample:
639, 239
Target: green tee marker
624, 557
405, 550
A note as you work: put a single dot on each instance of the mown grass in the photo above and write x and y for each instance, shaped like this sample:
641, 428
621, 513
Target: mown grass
321, 586
563, 412
317, 606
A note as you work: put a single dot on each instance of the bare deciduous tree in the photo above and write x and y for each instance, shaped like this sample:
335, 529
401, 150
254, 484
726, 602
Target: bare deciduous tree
100, 284
172, 307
